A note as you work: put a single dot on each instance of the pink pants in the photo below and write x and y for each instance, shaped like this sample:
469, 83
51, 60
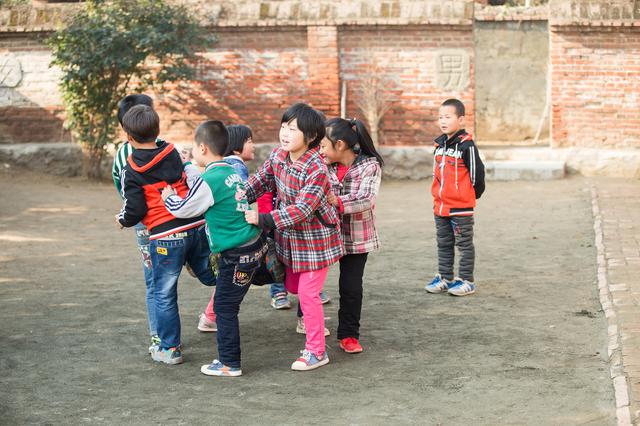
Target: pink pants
308, 285
211, 316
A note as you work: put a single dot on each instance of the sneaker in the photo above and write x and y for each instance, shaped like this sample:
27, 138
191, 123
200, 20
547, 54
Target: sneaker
155, 343
309, 361
462, 288
437, 285
216, 368
324, 298
206, 325
168, 356
300, 328
350, 345
280, 301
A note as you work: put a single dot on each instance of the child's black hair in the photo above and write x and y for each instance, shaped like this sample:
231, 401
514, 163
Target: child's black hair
130, 101
214, 135
458, 105
355, 134
310, 122
238, 135
142, 123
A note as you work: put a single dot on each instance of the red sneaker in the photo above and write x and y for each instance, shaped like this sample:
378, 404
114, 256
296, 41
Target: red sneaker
350, 345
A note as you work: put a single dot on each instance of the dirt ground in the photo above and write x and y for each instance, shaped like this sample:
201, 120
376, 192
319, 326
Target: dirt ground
528, 348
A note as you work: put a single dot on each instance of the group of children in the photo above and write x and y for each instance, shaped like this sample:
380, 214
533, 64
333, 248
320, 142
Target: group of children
316, 196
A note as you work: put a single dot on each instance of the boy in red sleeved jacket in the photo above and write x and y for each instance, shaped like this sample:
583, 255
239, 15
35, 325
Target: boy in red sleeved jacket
458, 180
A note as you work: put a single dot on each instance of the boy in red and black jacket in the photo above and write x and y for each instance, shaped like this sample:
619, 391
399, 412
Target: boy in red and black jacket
172, 241
458, 180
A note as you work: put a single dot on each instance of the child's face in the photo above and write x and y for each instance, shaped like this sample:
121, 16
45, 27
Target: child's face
248, 150
328, 152
449, 120
292, 138
197, 153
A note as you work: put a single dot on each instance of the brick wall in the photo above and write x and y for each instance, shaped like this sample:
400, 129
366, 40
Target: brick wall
595, 91
31, 111
406, 59
249, 77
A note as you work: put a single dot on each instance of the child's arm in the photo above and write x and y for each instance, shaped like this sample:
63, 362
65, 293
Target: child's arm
471, 158
262, 181
134, 205
364, 198
119, 160
198, 199
306, 202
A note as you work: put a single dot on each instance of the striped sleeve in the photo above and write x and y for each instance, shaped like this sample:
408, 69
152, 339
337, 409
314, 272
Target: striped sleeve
119, 161
197, 201
472, 160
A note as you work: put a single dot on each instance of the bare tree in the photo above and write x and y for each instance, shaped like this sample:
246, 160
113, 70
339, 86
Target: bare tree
373, 96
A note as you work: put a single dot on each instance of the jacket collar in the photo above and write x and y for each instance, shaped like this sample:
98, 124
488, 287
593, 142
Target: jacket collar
443, 140
145, 159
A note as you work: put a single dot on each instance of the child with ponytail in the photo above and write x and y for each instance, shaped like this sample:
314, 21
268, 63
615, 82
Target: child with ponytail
356, 170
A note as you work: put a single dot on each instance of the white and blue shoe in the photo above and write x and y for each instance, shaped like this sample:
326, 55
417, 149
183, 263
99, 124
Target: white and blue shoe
438, 285
216, 368
461, 287
309, 361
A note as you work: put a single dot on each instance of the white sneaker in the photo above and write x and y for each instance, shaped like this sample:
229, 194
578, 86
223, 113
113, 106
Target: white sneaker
300, 328
308, 361
206, 325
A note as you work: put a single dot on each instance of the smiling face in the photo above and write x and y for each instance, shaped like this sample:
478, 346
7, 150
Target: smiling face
292, 138
248, 150
449, 120
329, 152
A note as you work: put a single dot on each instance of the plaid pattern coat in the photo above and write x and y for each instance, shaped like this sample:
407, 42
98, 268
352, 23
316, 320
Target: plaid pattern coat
357, 192
307, 230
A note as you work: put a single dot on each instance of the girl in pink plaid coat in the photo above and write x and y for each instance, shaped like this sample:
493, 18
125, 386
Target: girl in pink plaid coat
356, 171
307, 227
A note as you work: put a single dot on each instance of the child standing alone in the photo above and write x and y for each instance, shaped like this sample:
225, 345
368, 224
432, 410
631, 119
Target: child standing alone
306, 227
356, 171
458, 180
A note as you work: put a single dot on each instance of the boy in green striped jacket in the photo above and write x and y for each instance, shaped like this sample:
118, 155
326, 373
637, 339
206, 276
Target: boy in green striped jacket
220, 195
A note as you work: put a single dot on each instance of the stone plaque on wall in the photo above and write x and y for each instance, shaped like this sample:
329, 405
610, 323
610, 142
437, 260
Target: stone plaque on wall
10, 70
452, 69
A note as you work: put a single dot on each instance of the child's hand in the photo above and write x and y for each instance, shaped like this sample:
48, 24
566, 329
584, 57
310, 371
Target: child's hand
118, 222
251, 216
167, 192
332, 199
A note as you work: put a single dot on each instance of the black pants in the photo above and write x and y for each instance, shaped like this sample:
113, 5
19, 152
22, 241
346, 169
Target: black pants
451, 232
351, 270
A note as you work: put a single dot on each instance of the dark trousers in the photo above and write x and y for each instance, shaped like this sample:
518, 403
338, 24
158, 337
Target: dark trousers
238, 269
451, 232
350, 284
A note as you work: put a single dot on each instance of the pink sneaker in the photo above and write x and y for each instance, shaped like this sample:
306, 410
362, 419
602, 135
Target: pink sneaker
206, 325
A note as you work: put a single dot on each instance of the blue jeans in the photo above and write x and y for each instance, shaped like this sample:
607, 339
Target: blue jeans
276, 288
168, 255
238, 269
142, 238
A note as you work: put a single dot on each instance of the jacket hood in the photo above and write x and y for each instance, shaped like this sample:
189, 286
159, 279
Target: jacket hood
143, 160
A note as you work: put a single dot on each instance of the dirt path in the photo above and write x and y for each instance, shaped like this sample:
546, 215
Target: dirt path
528, 348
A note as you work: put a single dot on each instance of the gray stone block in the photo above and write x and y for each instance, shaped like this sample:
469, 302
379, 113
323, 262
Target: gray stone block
524, 170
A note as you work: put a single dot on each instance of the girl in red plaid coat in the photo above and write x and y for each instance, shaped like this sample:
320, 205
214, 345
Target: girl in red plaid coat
356, 172
307, 227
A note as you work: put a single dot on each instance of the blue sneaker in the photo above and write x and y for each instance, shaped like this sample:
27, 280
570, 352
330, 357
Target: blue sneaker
168, 356
216, 368
462, 288
280, 301
437, 285
324, 298
309, 361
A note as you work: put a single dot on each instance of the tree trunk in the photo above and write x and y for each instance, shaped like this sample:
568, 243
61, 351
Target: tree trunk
374, 134
92, 162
